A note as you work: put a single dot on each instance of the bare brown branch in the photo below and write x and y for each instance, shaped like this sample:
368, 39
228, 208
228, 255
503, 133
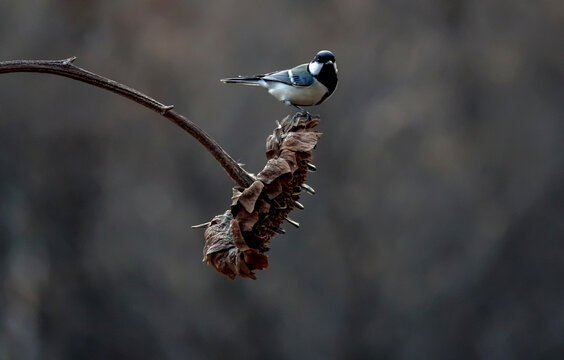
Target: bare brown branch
67, 69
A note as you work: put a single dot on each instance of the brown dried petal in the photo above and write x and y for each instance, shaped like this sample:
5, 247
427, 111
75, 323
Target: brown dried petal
235, 196
290, 158
238, 238
256, 259
250, 195
246, 220
274, 169
272, 146
273, 189
312, 123
225, 262
263, 206
227, 251
301, 141
217, 235
243, 269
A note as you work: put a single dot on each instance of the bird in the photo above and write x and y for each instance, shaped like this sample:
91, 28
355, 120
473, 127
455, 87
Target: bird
303, 85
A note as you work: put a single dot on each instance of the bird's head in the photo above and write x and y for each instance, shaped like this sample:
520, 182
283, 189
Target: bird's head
321, 59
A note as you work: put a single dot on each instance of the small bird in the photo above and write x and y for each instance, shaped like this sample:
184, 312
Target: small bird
304, 85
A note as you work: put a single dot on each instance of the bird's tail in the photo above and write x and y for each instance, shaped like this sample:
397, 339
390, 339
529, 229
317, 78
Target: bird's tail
244, 80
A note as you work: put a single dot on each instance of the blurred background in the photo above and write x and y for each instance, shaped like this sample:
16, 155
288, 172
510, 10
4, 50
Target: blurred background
437, 230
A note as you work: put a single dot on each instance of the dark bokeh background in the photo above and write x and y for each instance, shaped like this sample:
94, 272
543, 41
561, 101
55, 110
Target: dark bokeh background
437, 231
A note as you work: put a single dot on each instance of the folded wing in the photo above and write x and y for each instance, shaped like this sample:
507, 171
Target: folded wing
298, 76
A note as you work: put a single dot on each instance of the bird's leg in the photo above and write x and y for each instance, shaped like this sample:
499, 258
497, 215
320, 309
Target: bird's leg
302, 112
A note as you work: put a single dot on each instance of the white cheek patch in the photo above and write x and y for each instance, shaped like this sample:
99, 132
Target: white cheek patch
314, 68
335, 66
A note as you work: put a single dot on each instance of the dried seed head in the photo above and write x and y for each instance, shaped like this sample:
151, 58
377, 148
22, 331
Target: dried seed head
237, 240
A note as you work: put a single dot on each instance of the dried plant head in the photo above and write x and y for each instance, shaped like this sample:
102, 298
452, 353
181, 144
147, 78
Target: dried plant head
236, 241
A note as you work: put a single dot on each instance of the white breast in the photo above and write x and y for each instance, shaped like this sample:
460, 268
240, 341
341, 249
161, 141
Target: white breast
301, 96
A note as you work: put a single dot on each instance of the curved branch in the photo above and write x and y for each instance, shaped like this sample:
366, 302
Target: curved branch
67, 69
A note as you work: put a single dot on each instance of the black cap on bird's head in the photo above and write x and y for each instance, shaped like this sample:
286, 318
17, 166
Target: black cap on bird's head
324, 57
324, 61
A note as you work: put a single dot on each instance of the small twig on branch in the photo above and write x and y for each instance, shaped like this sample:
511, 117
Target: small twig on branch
66, 68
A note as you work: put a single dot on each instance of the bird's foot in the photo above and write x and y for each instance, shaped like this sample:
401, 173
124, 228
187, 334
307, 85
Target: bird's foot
299, 115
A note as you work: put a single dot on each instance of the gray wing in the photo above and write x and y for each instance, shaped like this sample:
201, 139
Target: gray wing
298, 76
